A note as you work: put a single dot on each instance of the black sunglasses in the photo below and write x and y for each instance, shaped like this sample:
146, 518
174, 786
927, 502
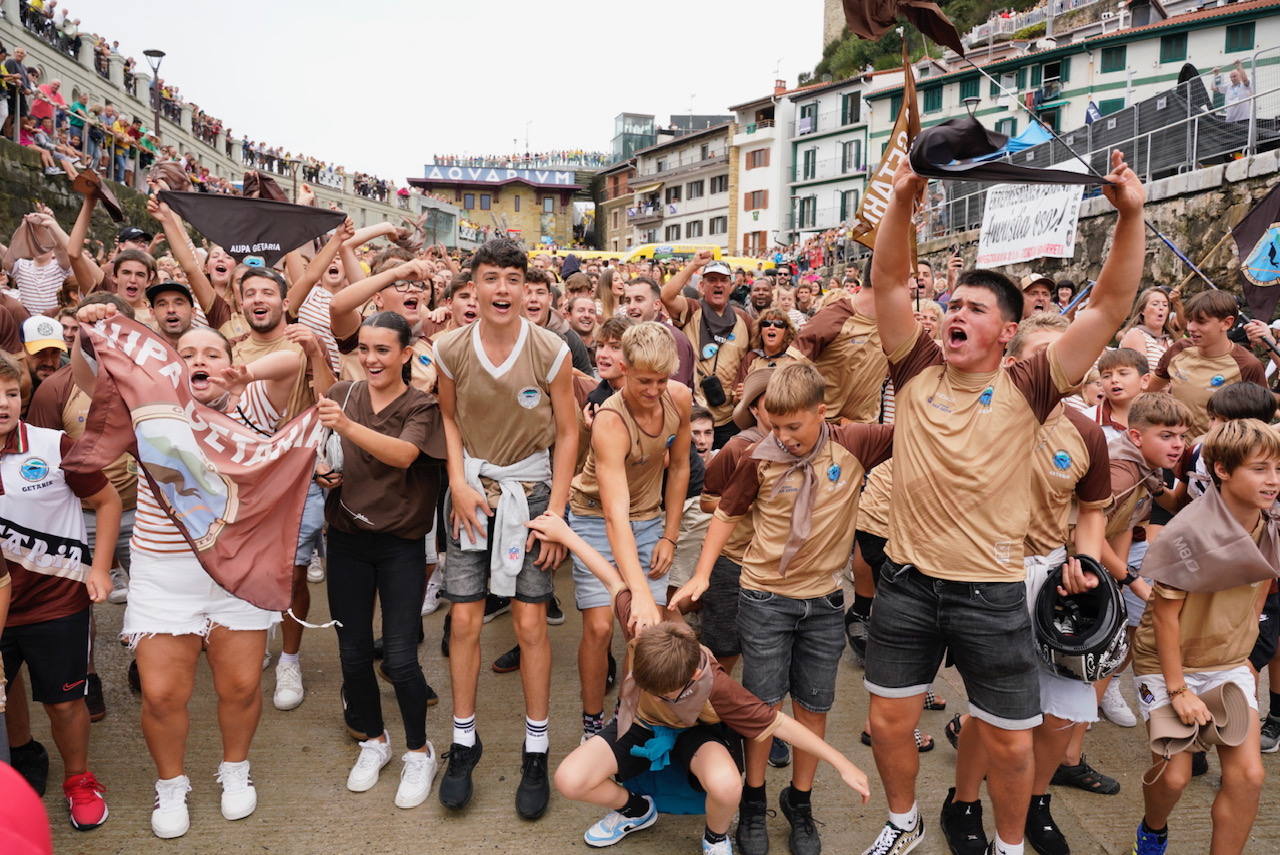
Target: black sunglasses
777, 325
679, 697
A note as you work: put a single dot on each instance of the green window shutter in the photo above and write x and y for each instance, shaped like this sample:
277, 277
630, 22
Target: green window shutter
969, 88
1065, 74
1022, 79
1239, 37
895, 106
1173, 48
1114, 58
1036, 71
933, 100
994, 89
1110, 105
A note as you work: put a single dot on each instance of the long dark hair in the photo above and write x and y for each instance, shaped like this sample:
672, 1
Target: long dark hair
395, 322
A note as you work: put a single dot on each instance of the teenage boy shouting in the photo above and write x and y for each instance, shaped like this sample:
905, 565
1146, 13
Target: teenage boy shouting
962, 590
510, 422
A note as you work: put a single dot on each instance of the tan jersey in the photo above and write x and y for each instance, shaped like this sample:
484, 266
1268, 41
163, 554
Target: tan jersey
645, 460
845, 348
723, 363
873, 507
503, 411
766, 490
1193, 377
248, 349
962, 472
1070, 463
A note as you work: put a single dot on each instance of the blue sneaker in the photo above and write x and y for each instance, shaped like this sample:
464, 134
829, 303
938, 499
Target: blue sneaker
614, 826
1147, 843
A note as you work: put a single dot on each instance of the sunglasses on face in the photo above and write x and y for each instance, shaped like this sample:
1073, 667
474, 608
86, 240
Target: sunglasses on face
777, 325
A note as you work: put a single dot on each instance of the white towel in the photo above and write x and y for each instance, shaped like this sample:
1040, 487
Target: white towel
509, 518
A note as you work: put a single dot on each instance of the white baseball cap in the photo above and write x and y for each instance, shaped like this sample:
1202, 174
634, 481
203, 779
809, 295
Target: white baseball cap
39, 332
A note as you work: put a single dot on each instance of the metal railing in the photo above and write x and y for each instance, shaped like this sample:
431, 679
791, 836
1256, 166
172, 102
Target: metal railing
999, 26
1201, 137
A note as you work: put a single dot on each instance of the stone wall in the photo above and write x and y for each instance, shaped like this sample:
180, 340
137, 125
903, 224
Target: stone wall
1194, 210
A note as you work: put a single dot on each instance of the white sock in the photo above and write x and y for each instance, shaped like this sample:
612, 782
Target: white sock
291, 658
535, 736
464, 731
908, 820
1002, 848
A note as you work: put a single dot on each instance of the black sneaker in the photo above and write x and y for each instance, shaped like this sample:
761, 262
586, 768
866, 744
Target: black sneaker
93, 698
855, 630
555, 614
507, 662
779, 754
135, 680
1270, 734
1042, 832
804, 838
1199, 763
752, 835
455, 786
32, 762
534, 791
495, 606
962, 825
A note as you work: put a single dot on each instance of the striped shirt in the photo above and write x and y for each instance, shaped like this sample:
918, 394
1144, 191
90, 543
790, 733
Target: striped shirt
38, 287
314, 315
153, 530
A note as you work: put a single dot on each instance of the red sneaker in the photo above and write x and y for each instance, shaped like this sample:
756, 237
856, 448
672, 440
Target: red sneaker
85, 802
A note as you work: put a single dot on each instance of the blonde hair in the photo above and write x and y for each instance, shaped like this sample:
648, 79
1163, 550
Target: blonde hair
1174, 319
650, 347
1231, 443
1029, 326
1158, 409
793, 388
666, 655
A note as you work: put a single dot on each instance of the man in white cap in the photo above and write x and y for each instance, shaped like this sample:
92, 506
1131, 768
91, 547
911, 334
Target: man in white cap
1037, 294
43, 347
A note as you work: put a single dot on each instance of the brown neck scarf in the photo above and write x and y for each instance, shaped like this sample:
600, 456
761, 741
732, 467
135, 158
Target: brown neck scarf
801, 516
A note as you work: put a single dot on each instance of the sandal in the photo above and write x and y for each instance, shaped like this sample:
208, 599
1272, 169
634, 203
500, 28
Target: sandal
952, 730
932, 703
1085, 777
924, 742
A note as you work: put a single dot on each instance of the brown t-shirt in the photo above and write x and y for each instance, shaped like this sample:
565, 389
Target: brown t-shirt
728, 702
962, 475
219, 313
1216, 631
10, 331
374, 496
60, 404
723, 363
422, 367
873, 506
767, 490
1070, 463
645, 461
845, 348
719, 473
37, 597
1130, 499
1193, 377
247, 349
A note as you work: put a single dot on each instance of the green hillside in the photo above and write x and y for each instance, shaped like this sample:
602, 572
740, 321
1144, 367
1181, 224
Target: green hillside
849, 54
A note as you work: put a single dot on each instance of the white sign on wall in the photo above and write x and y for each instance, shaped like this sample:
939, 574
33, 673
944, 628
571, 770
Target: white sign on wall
1022, 222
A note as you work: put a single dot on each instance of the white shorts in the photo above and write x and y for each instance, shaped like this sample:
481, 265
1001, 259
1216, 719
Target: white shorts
1071, 700
1153, 694
693, 530
173, 595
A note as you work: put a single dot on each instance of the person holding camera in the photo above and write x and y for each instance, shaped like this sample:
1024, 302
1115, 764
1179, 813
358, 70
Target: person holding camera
719, 332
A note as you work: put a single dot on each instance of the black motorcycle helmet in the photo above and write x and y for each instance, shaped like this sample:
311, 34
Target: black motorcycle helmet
1082, 636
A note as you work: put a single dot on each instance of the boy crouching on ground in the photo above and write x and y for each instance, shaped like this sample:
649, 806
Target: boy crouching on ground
674, 706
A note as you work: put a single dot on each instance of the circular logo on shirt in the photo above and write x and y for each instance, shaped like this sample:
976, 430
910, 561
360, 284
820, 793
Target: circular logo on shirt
1217, 380
529, 397
833, 472
33, 469
424, 360
986, 396
710, 351
1061, 459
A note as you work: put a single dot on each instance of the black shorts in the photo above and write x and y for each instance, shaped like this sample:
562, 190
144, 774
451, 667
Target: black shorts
1264, 649
718, 627
687, 745
56, 653
872, 548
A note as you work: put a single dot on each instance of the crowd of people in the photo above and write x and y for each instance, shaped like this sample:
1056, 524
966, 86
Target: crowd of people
738, 472
529, 160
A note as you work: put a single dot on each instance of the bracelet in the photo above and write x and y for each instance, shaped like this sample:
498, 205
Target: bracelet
1173, 693
668, 540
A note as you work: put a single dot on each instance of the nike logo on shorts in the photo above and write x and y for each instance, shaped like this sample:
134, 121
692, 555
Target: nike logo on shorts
66, 687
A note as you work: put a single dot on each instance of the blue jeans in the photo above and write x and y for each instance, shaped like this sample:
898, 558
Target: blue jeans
588, 591
121, 162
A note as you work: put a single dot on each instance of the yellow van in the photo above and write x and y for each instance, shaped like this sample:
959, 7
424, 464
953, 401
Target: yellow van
663, 251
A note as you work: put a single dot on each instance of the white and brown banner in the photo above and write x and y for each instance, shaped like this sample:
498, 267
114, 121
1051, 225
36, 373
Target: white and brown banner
235, 495
875, 199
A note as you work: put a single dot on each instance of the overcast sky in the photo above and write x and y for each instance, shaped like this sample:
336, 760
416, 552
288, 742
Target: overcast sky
382, 86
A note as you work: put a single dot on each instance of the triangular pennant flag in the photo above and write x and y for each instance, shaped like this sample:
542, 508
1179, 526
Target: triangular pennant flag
245, 227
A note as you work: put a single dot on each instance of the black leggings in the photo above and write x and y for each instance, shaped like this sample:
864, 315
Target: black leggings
362, 566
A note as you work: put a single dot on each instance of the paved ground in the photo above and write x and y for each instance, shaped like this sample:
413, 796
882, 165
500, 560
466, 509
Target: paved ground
301, 759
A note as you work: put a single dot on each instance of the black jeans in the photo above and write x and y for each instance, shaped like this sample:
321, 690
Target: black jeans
392, 568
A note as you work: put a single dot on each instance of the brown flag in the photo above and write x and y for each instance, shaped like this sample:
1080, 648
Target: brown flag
875, 199
235, 495
871, 19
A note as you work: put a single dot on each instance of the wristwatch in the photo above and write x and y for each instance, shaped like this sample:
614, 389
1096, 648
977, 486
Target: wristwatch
1129, 578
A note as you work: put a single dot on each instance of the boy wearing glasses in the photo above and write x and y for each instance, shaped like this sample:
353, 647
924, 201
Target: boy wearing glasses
399, 287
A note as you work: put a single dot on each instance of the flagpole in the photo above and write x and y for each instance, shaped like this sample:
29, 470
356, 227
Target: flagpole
1084, 292
1087, 165
1178, 288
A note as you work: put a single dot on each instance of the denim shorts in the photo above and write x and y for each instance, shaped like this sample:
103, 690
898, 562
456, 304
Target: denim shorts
984, 626
588, 591
466, 574
791, 646
310, 534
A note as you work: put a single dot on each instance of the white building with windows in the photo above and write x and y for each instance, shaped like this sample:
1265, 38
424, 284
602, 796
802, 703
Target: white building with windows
680, 191
763, 152
827, 141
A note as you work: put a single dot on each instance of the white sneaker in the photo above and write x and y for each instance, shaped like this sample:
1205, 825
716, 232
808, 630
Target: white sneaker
373, 756
431, 601
289, 692
239, 798
416, 777
315, 570
170, 818
119, 587
1115, 709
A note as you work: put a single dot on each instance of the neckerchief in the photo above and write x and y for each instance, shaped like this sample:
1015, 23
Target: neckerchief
801, 521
